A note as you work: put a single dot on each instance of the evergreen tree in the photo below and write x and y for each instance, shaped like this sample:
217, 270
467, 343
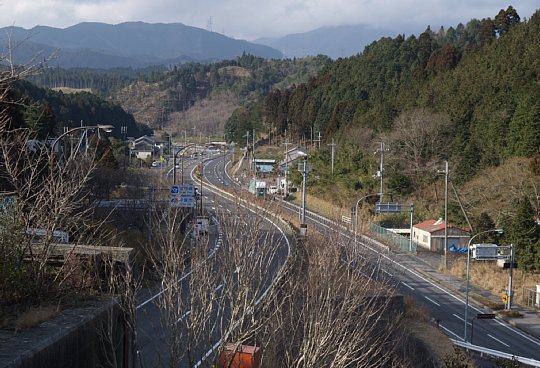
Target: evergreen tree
40, 118
485, 223
524, 130
523, 233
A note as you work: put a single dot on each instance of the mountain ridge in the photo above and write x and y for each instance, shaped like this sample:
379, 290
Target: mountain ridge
135, 44
333, 41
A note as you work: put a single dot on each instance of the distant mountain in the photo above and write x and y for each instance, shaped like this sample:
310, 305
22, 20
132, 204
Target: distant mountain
338, 41
132, 44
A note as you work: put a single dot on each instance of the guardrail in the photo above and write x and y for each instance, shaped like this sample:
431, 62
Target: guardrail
495, 353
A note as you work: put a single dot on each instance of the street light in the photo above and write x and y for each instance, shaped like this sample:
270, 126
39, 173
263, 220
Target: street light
105, 128
356, 211
174, 164
498, 231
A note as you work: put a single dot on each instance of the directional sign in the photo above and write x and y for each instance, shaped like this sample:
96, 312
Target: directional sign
504, 298
386, 207
182, 190
485, 316
183, 202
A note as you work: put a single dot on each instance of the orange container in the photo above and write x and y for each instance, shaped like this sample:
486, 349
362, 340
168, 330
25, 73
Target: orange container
245, 356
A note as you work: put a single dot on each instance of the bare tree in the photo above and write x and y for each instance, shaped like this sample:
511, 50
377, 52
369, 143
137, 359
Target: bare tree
46, 195
418, 139
334, 311
218, 302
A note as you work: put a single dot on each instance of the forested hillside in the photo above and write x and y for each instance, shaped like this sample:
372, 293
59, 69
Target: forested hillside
469, 95
474, 89
156, 96
49, 112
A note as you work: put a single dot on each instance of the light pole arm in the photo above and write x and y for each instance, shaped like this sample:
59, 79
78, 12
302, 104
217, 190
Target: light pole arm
356, 211
106, 128
174, 163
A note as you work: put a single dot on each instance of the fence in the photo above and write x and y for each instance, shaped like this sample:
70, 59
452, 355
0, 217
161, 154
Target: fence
531, 296
393, 239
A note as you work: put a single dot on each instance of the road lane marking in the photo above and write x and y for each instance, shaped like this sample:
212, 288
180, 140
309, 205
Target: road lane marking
461, 318
518, 332
409, 286
433, 301
184, 316
341, 230
496, 339
449, 331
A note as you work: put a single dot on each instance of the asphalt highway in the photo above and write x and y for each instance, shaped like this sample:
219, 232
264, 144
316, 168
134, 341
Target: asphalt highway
446, 307
228, 213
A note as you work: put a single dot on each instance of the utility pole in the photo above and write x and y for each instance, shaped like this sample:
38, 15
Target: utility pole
286, 144
247, 148
304, 186
381, 171
509, 292
319, 140
303, 168
253, 154
445, 213
333, 145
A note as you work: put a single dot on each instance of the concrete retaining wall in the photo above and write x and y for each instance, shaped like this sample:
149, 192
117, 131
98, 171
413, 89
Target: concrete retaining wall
94, 335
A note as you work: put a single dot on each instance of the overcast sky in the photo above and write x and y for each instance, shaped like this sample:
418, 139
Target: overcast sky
251, 19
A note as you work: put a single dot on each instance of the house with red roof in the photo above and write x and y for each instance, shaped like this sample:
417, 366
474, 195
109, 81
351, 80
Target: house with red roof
429, 234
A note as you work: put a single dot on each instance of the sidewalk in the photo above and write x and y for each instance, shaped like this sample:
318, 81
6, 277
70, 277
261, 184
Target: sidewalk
428, 263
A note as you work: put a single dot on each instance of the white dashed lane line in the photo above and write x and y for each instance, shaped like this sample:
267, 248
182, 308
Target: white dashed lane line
409, 286
433, 301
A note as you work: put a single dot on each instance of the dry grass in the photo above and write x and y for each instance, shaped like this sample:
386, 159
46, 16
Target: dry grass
494, 279
322, 207
414, 311
67, 90
511, 313
36, 315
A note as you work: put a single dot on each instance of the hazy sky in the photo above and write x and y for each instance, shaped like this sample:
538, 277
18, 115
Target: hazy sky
250, 19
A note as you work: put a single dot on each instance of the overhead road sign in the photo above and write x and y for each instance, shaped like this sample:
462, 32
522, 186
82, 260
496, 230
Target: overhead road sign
183, 190
185, 202
391, 207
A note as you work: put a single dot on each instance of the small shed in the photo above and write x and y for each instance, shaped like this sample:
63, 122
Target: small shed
429, 235
240, 356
